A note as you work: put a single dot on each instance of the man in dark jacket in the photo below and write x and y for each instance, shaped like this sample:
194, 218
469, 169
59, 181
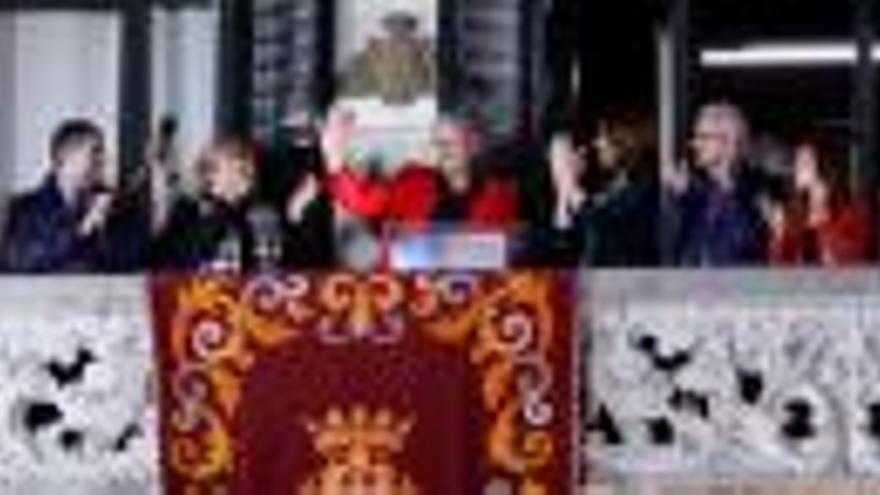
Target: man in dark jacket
64, 225
715, 215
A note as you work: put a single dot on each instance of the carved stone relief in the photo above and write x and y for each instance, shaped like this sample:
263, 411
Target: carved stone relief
732, 376
77, 413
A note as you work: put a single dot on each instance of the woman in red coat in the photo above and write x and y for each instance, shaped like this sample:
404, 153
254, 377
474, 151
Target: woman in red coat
822, 225
449, 191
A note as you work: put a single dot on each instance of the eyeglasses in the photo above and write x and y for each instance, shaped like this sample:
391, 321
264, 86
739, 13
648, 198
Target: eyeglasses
707, 136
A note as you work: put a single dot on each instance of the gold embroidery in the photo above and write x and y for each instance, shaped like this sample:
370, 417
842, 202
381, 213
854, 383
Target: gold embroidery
503, 330
215, 340
358, 451
505, 325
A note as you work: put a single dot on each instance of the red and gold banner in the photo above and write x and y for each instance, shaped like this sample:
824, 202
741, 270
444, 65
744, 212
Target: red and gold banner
378, 384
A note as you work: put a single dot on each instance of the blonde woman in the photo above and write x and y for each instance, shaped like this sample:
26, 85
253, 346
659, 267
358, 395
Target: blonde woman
214, 229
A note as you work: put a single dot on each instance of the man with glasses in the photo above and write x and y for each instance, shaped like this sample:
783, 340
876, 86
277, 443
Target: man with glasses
714, 216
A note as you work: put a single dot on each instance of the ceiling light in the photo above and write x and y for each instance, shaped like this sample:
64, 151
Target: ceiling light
779, 55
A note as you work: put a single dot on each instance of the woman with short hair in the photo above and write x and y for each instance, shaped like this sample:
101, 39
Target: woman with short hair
213, 230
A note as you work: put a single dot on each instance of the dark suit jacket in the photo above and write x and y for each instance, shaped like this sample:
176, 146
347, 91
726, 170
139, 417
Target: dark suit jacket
40, 236
719, 228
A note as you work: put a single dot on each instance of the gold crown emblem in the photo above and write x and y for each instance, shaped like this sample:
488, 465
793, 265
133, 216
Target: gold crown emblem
358, 451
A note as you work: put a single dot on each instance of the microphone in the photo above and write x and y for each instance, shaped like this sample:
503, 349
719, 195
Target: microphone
167, 135
265, 227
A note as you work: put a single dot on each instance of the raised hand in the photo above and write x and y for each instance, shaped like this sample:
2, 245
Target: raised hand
336, 136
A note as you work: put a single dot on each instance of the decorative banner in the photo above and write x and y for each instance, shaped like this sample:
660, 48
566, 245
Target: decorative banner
366, 383
737, 376
77, 409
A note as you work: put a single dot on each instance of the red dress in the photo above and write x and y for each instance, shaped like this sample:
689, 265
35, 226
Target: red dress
844, 238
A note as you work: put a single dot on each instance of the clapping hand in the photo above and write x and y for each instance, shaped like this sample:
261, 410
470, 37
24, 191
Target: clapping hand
675, 177
300, 199
96, 215
567, 164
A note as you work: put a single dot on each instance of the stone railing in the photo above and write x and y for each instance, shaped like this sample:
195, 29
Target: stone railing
731, 375
689, 379
77, 409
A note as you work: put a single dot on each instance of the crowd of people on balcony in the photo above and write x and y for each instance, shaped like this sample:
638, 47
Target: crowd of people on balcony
597, 198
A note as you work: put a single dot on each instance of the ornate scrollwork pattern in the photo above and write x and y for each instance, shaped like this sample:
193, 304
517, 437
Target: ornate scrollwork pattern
505, 324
